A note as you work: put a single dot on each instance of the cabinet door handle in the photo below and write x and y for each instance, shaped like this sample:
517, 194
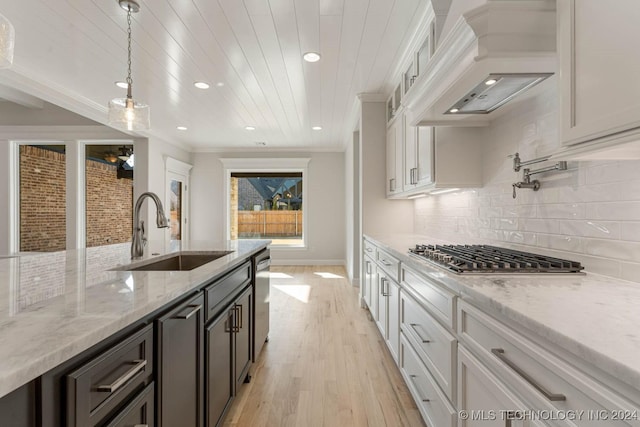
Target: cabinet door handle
235, 321
138, 365
369, 250
415, 384
239, 307
368, 267
194, 310
413, 326
383, 282
499, 353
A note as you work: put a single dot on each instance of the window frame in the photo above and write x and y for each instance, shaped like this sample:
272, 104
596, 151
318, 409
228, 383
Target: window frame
267, 165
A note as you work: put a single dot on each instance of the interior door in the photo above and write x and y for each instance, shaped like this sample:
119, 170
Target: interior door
177, 206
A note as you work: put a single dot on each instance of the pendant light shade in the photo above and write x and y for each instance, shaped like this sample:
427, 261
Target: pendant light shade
126, 113
7, 42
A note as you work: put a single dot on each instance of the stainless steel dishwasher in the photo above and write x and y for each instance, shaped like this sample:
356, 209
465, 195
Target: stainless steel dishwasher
261, 292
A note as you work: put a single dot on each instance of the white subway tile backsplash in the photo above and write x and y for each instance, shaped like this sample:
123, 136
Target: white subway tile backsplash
520, 211
630, 271
590, 228
614, 211
589, 213
630, 231
626, 170
490, 212
626, 251
561, 211
559, 242
504, 223
539, 226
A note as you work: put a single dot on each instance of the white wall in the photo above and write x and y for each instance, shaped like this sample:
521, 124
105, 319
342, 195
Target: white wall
325, 193
379, 214
352, 204
589, 213
149, 175
49, 115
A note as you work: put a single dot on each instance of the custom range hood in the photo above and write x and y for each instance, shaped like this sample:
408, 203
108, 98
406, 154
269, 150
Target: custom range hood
493, 54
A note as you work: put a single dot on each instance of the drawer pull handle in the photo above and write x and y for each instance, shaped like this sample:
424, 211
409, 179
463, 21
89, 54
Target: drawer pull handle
413, 380
551, 396
195, 309
385, 263
413, 326
138, 365
369, 250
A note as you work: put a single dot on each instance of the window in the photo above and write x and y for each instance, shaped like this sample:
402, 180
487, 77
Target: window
108, 194
266, 200
42, 198
267, 206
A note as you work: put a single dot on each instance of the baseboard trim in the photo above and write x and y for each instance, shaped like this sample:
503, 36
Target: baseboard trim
336, 262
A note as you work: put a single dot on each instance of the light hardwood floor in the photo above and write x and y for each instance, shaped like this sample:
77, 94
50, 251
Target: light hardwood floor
325, 363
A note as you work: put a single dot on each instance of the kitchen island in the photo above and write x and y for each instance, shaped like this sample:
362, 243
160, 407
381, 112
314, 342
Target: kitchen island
55, 306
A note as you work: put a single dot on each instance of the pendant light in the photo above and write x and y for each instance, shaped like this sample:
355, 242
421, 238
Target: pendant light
7, 42
125, 113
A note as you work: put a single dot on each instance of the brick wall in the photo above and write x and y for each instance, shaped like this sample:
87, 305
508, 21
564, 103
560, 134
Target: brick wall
42, 200
109, 205
109, 202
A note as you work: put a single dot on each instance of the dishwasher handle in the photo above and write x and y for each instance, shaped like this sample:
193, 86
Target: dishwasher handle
264, 264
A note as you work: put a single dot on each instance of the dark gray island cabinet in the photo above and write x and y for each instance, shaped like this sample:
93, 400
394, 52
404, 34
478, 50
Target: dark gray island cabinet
180, 366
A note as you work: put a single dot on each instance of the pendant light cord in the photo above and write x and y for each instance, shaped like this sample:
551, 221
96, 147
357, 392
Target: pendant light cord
129, 79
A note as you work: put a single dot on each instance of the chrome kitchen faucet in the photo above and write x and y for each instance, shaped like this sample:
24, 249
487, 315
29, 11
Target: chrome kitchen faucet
138, 240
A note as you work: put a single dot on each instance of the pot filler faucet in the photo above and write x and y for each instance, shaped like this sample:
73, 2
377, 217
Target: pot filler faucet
526, 172
138, 240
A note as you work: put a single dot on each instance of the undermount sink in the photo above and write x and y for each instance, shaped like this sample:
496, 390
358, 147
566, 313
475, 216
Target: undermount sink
181, 261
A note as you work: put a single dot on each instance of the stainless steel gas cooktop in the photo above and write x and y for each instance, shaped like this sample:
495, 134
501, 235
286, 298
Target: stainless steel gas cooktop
485, 259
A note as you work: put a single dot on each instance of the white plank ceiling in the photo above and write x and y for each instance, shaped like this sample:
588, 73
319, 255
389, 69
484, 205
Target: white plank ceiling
71, 52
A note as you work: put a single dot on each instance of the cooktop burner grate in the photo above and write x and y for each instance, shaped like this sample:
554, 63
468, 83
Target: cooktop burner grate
463, 259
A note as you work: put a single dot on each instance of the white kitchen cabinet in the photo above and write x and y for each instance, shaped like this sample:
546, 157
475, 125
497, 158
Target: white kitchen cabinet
418, 156
383, 303
394, 157
432, 403
599, 68
434, 345
393, 321
368, 284
432, 158
484, 397
542, 381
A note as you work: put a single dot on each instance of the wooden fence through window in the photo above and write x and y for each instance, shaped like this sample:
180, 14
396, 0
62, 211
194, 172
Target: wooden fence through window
269, 223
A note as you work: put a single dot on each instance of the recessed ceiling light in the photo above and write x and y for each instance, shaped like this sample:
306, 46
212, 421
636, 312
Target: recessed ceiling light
201, 85
181, 128
311, 57
490, 82
249, 128
220, 84
123, 85
317, 128
454, 110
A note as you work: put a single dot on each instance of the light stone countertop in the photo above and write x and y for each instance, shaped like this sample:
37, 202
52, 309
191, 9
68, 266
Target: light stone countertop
594, 317
53, 306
